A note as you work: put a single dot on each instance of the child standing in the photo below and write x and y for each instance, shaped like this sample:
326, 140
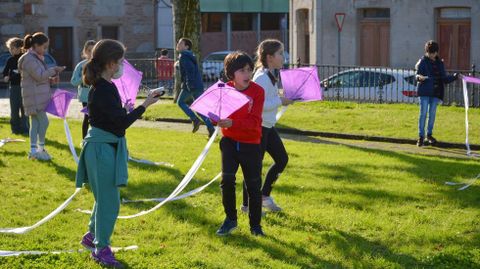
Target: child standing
240, 145
76, 81
103, 160
35, 83
18, 119
269, 59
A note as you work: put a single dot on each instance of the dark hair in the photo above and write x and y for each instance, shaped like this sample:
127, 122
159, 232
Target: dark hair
14, 42
104, 52
431, 46
187, 42
164, 52
235, 61
38, 38
87, 44
266, 47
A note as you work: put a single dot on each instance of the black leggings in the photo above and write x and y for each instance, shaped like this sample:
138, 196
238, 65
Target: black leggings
85, 122
249, 157
271, 143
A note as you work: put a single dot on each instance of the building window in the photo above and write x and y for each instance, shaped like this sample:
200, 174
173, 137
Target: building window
110, 32
212, 22
376, 13
270, 21
455, 13
242, 21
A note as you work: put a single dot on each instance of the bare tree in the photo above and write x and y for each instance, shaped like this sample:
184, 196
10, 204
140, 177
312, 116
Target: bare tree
187, 23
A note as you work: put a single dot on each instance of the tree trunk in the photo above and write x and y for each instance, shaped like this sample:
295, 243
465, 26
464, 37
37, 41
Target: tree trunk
187, 23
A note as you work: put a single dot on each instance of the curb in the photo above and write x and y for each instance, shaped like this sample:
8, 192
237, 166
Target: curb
295, 131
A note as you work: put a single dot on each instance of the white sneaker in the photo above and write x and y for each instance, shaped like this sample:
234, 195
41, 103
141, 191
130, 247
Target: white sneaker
267, 202
43, 155
244, 209
32, 155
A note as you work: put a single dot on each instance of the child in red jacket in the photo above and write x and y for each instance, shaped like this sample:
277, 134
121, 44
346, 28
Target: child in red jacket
240, 144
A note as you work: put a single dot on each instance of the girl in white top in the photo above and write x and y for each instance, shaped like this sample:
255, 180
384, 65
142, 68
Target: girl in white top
270, 58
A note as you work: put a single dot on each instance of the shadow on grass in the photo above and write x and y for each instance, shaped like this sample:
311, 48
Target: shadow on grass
431, 170
275, 248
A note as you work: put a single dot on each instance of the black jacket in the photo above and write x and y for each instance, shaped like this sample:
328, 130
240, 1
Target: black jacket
106, 111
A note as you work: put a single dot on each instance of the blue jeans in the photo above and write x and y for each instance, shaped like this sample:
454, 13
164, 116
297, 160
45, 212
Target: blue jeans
427, 104
182, 103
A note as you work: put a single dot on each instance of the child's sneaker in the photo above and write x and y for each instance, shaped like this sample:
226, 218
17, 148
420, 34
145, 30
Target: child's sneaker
87, 241
268, 203
105, 257
257, 231
244, 209
227, 227
43, 155
32, 155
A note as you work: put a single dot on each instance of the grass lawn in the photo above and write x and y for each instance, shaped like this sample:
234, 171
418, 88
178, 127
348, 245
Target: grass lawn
344, 207
389, 120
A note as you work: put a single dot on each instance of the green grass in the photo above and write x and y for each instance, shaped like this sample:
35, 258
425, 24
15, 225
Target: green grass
388, 120
344, 207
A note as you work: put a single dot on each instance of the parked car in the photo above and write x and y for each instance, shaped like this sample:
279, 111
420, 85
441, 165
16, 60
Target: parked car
372, 84
212, 65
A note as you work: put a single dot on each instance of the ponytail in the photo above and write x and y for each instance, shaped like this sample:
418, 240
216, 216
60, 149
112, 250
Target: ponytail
91, 73
27, 42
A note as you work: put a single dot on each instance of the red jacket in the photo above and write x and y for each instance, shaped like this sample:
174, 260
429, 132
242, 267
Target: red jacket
247, 121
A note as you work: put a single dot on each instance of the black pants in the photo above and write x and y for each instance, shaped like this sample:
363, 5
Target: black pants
271, 143
85, 122
249, 157
18, 119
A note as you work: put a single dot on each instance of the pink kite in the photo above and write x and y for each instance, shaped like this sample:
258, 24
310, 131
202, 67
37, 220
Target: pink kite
219, 101
471, 79
59, 103
301, 84
128, 84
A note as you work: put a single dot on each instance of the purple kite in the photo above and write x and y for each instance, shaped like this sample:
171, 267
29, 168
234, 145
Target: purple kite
219, 101
301, 84
128, 84
59, 103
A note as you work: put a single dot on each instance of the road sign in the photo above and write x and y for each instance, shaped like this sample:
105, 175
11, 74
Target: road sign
339, 18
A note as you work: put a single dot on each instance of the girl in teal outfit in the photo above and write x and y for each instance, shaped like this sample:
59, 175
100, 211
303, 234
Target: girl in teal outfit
103, 160
76, 81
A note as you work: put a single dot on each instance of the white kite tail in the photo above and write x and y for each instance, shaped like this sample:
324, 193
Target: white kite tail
280, 113
466, 102
68, 134
188, 177
22, 230
185, 195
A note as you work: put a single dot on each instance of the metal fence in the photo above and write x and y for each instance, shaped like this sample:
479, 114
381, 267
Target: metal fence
339, 83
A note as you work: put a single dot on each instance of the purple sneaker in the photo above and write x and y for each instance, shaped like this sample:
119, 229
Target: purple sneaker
105, 257
87, 241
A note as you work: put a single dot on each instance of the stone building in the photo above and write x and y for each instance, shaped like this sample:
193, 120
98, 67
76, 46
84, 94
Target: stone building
385, 32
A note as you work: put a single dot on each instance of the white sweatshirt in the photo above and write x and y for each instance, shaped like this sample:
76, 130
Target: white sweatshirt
272, 99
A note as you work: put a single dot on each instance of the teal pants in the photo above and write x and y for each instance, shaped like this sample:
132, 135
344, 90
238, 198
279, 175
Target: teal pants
106, 193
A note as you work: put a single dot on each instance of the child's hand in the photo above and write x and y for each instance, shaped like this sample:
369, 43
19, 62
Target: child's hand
226, 123
6, 78
421, 78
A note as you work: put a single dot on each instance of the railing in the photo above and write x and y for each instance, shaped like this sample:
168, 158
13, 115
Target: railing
339, 83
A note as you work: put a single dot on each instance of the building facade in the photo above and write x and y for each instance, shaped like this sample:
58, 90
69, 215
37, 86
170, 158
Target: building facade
384, 32
69, 23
